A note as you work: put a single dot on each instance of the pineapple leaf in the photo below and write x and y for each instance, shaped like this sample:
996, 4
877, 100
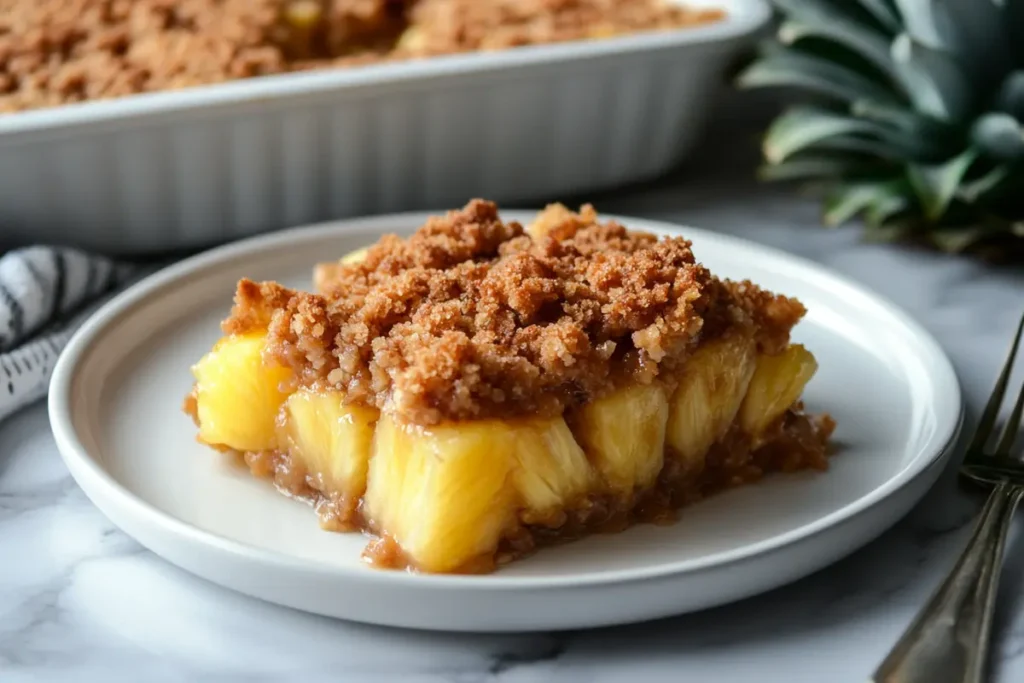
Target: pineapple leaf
796, 69
933, 140
842, 22
921, 130
932, 80
814, 11
936, 185
898, 117
1013, 11
849, 199
956, 239
972, 191
1011, 95
889, 150
805, 167
979, 40
868, 44
886, 206
999, 135
928, 23
884, 12
802, 128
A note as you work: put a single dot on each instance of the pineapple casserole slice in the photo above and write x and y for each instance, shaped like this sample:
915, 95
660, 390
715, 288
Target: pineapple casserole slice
480, 388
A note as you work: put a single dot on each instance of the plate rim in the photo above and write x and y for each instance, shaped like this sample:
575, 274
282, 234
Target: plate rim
94, 479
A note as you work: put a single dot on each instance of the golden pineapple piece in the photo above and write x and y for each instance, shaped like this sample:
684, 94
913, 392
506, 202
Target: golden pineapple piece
602, 30
550, 471
777, 384
552, 216
624, 436
300, 21
302, 13
448, 494
442, 493
412, 41
714, 382
332, 440
237, 396
324, 274
355, 256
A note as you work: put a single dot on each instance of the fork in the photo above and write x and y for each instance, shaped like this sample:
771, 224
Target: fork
948, 640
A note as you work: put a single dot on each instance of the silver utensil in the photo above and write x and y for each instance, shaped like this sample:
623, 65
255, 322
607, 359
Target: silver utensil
948, 641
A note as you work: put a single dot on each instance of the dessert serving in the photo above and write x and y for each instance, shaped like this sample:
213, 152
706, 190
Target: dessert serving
55, 52
481, 389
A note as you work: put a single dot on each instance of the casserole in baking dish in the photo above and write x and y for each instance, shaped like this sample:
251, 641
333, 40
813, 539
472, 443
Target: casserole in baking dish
187, 168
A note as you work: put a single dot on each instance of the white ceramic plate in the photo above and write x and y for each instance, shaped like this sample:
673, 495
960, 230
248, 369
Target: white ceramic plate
115, 406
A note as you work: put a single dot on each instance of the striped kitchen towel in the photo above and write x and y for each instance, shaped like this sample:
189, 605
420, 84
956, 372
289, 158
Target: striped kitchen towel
45, 294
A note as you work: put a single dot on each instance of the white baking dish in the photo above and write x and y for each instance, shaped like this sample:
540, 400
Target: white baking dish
191, 168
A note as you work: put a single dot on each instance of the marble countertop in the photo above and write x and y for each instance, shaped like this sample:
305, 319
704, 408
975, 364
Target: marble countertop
80, 601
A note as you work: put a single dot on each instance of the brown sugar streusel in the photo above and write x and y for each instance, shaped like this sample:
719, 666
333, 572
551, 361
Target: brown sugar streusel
55, 52
471, 317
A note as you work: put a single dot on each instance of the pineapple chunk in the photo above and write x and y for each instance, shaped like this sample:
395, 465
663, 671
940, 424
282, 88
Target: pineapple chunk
777, 384
442, 493
355, 256
412, 40
331, 439
624, 436
302, 14
237, 396
550, 470
547, 220
448, 494
713, 385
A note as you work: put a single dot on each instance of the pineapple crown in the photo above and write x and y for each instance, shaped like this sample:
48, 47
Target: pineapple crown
916, 123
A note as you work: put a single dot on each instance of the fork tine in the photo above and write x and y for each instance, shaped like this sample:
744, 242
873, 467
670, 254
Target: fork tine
988, 418
1012, 426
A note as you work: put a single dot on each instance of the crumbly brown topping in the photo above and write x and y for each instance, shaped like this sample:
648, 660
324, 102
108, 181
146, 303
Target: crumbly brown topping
442, 26
471, 317
56, 52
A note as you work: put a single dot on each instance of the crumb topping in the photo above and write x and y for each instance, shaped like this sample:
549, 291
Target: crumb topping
475, 317
55, 52
443, 26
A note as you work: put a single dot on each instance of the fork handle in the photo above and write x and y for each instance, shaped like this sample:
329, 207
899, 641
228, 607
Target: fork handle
948, 641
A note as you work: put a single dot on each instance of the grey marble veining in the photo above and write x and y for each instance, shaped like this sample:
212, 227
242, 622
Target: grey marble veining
79, 601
